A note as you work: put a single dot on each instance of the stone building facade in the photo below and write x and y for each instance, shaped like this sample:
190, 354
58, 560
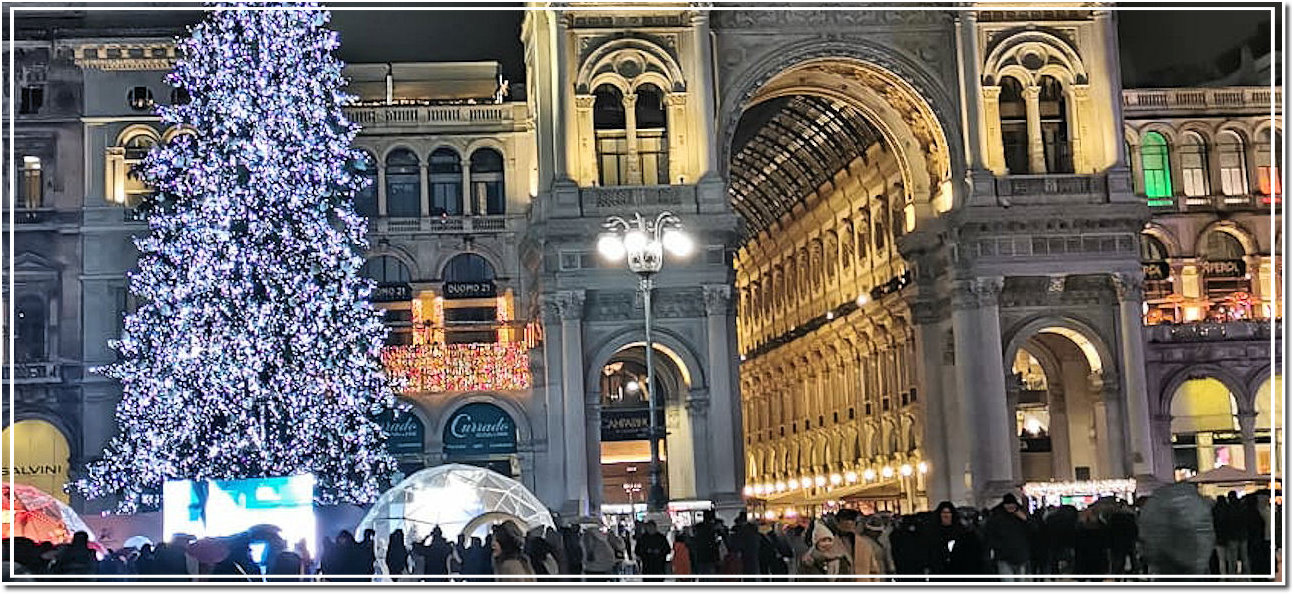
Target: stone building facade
923, 247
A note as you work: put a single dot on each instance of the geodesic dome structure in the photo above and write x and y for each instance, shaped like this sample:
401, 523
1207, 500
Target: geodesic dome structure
456, 497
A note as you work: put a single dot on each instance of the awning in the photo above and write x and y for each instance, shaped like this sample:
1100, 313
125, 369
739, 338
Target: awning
1228, 475
860, 491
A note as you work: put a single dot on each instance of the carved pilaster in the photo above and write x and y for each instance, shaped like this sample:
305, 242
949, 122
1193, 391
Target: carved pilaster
975, 293
718, 299
570, 304
1128, 286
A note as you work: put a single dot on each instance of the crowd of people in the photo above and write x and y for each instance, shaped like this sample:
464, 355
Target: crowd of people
1173, 533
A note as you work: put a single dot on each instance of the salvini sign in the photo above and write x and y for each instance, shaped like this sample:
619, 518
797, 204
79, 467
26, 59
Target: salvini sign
480, 428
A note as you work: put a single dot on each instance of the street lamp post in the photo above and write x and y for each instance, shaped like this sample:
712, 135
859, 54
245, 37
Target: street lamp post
642, 243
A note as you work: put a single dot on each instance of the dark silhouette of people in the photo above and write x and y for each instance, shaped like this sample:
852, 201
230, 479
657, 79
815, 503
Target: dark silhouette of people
652, 549
435, 552
397, 554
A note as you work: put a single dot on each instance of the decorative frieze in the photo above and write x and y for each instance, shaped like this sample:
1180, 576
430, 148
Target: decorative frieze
570, 304
157, 55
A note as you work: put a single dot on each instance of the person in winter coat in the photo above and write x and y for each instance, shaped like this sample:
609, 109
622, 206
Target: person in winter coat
476, 560
571, 539
1007, 536
1091, 548
681, 562
652, 549
774, 551
952, 548
509, 557
77, 558
705, 545
435, 554
870, 557
908, 547
397, 554
367, 554
825, 557
599, 556
542, 559
745, 543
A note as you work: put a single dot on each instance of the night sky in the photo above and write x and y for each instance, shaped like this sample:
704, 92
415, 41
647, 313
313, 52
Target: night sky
1158, 47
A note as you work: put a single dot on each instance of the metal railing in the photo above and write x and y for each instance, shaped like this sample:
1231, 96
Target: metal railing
467, 224
418, 115
1214, 331
1140, 101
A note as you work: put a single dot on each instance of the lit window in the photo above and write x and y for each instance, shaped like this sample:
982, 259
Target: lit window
1231, 160
1269, 168
1154, 167
1055, 130
609, 131
651, 135
1195, 175
30, 176
487, 182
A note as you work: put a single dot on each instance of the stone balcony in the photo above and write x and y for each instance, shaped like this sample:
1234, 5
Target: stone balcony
405, 117
1249, 330
445, 225
35, 372
625, 200
1052, 188
1167, 102
1213, 203
45, 219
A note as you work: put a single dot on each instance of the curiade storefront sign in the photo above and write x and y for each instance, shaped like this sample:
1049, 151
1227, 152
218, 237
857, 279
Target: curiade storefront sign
473, 290
480, 429
628, 424
404, 432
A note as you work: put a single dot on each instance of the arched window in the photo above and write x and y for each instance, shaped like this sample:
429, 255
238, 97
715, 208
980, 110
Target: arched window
1154, 168
366, 197
137, 147
487, 182
651, 134
1231, 162
609, 130
1269, 168
30, 190
445, 181
403, 193
1158, 286
467, 319
1015, 127
386, 270
1195, 162
1055, 131
1203, 413
29, 329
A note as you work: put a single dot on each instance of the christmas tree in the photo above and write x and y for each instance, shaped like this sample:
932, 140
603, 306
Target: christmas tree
255, 351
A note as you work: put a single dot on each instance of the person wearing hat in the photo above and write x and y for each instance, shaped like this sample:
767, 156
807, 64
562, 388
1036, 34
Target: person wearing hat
824, 556
870, 556
1007, 535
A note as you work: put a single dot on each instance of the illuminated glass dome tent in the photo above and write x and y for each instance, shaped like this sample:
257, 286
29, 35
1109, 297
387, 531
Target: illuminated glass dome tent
456, 497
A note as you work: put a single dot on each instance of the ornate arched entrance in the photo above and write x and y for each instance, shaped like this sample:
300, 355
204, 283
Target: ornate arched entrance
830, 159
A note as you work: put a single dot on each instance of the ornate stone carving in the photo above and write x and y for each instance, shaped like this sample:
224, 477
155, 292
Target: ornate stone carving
978, 292
570, 304
718, 299
612, 305
1127, 286
677, 303
697, 407
929, 311
816, 19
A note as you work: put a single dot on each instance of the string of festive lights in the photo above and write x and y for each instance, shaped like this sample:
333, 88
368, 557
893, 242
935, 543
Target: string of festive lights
255, 351
437, 367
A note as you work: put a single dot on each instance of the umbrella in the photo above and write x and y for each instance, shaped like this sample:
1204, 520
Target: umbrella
35, 514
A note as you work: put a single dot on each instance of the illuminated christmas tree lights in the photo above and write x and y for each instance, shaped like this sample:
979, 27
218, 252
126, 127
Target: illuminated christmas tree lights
255, 351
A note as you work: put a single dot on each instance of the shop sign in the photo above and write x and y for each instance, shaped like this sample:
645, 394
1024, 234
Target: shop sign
1155, 271
470, 290
1224, 268
391, 292
480, 429
628, 424
404, 432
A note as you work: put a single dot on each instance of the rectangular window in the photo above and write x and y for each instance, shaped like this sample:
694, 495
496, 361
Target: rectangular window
1015, 147
1269, 181
1194, 174
1232, 163
613, 158
32, 98
653, 154
29, 190
446, 198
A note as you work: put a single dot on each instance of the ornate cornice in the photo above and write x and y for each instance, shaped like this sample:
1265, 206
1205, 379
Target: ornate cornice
149, 55
976, 293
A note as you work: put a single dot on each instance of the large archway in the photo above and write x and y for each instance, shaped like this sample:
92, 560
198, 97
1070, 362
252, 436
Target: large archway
829, 161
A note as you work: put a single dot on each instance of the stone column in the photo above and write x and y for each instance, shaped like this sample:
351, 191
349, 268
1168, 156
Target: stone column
1012, 404
593, 449
698, 412
1061, 467
1080, 113
1132, 345
676, 137
1033, 120
978, 118
704, 110
633, 169
423, 190
726, 463
468, 199
1114, 426
570, 305
381, 190
996, 157
547, 374
1247, 419
587, 167
981, 382
944, 443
